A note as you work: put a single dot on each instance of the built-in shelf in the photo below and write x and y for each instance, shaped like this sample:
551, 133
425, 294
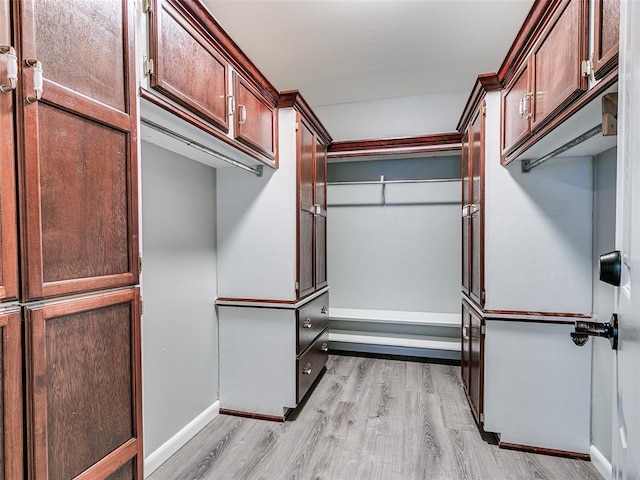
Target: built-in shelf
395, 316
394, 340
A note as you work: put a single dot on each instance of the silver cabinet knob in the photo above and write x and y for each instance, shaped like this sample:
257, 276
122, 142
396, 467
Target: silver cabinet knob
306, 323
324, 310
324, 347
307, 369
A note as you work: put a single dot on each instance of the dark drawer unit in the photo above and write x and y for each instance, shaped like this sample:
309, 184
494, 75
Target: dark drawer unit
312, 319
311, 362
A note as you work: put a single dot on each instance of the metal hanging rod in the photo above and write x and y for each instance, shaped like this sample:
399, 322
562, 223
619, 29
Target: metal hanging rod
528, 165
257, 170
387, 182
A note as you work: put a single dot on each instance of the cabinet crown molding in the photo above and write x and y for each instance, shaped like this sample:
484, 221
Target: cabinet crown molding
294, 99
486, 82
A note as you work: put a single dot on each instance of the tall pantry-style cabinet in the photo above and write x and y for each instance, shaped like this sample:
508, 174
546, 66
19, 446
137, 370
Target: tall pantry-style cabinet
76, 224
272, 283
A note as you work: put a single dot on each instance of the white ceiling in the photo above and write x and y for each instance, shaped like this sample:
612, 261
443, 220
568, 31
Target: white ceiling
342, 51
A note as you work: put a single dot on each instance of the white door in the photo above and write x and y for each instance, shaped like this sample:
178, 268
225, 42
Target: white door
626, 432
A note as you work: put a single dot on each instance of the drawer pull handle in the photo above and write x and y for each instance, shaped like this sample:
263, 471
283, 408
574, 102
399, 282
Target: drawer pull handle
324, 347
324, 310
307, 369
306, 323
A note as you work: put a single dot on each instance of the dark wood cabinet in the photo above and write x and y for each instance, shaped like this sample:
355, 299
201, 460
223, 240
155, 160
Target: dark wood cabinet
11, 395
473, 207
78, 163
8, 225
84, 384
312, 208
208, 81
550, 77
472, 356
606, 36
255, 118
187, 67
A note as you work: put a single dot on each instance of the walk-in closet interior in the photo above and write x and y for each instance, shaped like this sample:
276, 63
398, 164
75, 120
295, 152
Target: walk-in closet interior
221, 220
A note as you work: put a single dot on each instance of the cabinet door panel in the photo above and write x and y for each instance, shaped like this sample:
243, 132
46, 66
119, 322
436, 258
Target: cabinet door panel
11, 436
321, 217
188, 69
84, 385
79, 168
607, 30
321, 251
476, 365
466, 346
306, 224
254, 119
557, 76
515, 120
477, 211
8, 225
466, 200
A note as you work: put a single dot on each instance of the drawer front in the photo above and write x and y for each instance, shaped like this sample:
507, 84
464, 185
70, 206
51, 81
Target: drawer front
309, 364
312, 319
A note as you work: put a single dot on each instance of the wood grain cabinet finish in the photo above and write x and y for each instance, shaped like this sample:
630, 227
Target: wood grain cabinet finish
187, 67
312, 209
8, 224
606, 36
255, 118
473, 359
473, 207
313, 318
550, 77
78, 163
84, 384
11, 397
310, 363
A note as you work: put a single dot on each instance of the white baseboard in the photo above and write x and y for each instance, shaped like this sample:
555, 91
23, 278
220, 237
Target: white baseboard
601, 463
171, 446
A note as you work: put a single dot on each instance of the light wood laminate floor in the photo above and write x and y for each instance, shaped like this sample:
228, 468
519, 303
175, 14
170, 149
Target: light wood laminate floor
367, 419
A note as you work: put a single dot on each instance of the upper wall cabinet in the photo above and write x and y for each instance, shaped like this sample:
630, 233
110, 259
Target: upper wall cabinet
204, 79
549, 78
607, 31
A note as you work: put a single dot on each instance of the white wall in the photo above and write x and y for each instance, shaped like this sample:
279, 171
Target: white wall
603, 301
402, 256
179, 325
393, 117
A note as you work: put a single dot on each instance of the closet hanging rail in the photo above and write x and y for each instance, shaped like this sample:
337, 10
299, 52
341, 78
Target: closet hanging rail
387, 182
528, 165
257, 170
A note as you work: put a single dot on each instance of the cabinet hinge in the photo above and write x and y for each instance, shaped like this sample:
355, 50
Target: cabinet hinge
587, 67
297, 125
139, 264
141, 307
483, 330
483, 296
297, 286
148, 66
482, 418
146, 6
484, 110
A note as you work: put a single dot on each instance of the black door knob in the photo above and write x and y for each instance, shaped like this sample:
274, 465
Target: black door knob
610, 268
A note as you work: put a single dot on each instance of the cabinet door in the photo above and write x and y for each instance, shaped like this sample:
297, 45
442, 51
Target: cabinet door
465, 351
557, 73
78, 166
83, 387
187, 68
516, 108
607, 30
321, 215
11, 436
8, 225
466, 201
255, 119
306, 209
476, 260
476, 365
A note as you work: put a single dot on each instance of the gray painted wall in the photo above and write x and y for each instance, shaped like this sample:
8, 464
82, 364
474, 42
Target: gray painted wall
179, 326
402, 256
603, 301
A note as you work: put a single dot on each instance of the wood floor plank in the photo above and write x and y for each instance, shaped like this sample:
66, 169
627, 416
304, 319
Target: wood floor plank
366, 419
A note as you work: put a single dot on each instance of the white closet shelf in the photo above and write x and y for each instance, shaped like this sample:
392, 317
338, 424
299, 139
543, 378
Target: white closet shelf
394, 340
395, 316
